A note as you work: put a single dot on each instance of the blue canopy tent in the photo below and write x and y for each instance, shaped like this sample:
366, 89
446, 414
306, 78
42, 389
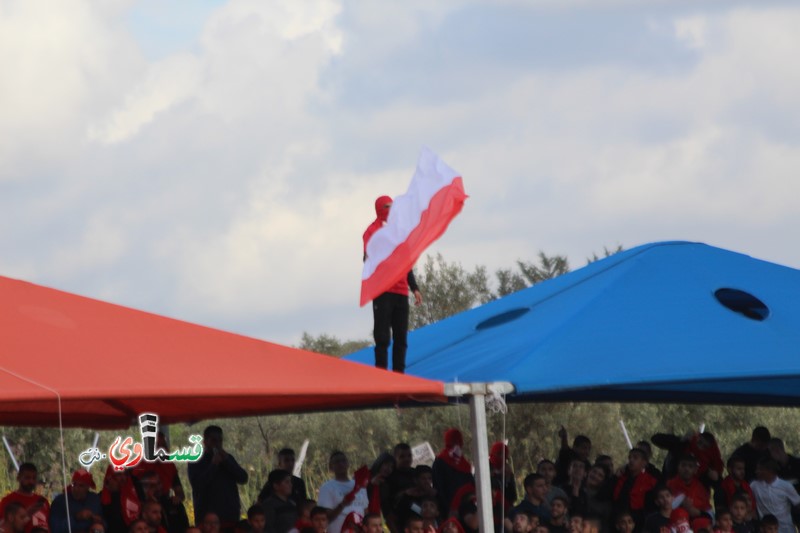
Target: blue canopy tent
663, 322
670, 321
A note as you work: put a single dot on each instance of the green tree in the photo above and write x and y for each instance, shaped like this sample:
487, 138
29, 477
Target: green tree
529, 273
447, 288
548, 268
331, 345
606, 253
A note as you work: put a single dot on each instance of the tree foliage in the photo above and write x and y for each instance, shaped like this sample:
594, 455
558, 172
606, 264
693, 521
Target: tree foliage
331, 345
606, 253
448, 288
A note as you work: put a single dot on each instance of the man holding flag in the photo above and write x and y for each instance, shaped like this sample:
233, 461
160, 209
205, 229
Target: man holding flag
394, 242
390, 309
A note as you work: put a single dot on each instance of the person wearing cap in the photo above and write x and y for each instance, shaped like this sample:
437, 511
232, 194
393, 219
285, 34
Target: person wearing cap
390, 309
83, 503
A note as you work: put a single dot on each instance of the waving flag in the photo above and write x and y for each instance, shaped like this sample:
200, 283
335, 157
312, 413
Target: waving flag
417, 218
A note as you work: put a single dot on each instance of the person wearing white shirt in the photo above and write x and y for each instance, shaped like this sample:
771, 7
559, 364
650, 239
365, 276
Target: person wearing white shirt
774, 495
342, 495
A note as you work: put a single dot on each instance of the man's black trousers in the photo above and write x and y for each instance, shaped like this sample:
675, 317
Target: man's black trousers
390, 311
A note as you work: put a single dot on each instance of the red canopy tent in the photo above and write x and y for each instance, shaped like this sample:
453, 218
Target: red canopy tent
107, 364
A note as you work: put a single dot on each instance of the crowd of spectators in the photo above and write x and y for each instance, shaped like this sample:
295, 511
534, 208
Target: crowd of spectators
694, 490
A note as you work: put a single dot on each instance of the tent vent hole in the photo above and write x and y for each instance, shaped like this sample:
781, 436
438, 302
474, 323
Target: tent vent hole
743, 303
502, 318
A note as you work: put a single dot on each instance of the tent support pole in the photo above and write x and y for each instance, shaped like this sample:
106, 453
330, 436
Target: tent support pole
480, 456
480, 442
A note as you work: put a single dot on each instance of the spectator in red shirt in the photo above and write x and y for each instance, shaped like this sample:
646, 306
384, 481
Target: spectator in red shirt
37, 507
696, 497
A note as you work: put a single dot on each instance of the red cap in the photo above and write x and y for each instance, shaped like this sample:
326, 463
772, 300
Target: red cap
453, 437
83, 476
498, 454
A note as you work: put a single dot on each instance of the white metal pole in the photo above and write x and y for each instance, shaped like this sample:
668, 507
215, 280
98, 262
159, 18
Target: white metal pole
10, 453
625, 432
480, 442
480, 455
298, 465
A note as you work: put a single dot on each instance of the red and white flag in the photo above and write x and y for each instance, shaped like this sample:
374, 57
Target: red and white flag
417, 218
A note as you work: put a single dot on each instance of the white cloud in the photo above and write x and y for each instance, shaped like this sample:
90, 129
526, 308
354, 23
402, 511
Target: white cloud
166, 84
57, 61
691, 31
230, 184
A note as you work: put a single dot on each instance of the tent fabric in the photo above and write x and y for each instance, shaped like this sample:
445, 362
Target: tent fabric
109, 363
641, 325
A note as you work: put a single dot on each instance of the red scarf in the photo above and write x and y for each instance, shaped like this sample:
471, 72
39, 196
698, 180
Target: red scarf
458, 462
374, 499
128, 499
451, 454
381, 214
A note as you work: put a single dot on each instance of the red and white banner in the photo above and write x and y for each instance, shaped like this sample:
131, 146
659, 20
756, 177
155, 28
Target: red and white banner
417, 218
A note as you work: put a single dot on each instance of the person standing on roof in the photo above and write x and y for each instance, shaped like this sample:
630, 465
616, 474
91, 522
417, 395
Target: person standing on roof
390, 309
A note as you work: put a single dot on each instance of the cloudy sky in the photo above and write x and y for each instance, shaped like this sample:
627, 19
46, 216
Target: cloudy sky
217, 161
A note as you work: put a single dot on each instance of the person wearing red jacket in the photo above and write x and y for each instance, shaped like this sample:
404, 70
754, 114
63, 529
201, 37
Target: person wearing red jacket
390, 309
704, 448
634, 486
